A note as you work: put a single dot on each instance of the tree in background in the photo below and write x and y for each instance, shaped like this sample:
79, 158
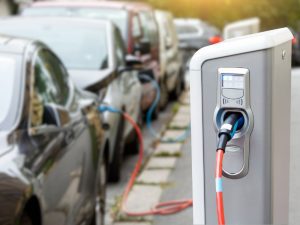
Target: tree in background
273, 13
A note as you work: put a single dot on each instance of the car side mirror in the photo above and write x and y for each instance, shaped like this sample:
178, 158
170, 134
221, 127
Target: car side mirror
144, 47
133, 61
54, 119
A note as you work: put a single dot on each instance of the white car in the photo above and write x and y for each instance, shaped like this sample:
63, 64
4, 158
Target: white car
93, 52
170, 58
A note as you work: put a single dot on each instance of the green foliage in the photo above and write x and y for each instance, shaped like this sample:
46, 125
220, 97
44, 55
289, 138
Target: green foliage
273, 13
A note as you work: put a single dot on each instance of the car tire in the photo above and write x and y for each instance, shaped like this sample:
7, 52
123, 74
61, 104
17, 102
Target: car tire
164, 95
114, 169
26, 220
182, 83
133, 146
155, 113
177, 90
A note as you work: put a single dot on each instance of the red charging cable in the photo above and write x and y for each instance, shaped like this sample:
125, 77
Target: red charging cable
165, 208
219, 187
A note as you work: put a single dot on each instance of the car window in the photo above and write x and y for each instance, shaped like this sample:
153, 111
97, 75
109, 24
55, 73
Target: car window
120, 50
185, 29
8, 88
118, 16
51, 79
80, 47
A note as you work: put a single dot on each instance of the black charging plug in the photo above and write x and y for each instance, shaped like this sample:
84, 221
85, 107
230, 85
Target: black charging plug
233, 122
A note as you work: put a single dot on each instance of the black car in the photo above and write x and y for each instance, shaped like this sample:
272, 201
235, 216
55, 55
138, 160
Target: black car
52, 170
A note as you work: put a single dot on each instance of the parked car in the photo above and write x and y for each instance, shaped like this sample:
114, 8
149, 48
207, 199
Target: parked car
51, 172
170, 58
92, 51
194, 34
138, 27
295, 48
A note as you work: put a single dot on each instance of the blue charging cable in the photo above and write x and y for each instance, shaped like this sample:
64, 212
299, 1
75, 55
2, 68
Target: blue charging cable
149, 114
238, 123
107, 108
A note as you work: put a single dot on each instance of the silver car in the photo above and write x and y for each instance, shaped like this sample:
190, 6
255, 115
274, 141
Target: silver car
92, 51
172, 71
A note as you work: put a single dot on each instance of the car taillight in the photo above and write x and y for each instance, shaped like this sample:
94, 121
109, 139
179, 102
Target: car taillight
294, 40
215, 40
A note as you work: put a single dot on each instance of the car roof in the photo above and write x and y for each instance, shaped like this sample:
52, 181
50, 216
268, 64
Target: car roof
133, 6
59, 20
13, 45
188, 21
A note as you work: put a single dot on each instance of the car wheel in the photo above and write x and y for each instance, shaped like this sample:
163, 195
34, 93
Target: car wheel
133, 146
155, 113
100, 206
26, 220
177, 91
114, 174
164, 95
182, 83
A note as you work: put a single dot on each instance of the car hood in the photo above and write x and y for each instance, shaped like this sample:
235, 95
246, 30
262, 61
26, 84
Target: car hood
92, 79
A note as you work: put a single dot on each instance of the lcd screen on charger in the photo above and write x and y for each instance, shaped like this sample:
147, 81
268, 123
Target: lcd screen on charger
233, 81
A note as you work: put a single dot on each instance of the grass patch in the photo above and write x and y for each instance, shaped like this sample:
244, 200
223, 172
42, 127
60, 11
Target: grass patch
167, 154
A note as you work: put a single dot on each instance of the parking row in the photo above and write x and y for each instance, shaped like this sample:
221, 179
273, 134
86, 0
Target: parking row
61, 63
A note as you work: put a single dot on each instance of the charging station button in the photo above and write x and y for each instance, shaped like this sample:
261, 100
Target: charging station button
233, 93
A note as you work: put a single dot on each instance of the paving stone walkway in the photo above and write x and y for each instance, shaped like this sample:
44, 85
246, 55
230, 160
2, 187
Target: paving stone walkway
147, 191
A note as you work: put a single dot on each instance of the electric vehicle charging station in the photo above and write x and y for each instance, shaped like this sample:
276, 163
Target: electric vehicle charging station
250, 75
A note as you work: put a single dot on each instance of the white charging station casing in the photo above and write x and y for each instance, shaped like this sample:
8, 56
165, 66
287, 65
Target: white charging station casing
272, 70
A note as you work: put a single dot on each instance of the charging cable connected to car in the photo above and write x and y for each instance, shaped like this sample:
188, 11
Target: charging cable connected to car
151, 110
165, 208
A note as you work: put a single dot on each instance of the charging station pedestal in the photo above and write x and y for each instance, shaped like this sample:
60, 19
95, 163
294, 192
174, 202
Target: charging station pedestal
250, 75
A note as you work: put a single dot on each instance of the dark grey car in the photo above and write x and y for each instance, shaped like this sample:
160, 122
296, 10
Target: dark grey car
194, 34
51, 165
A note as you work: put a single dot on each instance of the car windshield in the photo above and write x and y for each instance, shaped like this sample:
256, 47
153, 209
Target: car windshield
186, 29
117, 16
8, 90
80, 47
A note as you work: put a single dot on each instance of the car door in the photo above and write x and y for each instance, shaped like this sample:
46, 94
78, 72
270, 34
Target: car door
131, 86
63, 176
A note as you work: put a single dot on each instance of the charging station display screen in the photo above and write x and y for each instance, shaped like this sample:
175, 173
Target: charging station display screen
233, 81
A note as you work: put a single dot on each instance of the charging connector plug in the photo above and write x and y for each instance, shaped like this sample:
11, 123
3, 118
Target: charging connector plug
233, 122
